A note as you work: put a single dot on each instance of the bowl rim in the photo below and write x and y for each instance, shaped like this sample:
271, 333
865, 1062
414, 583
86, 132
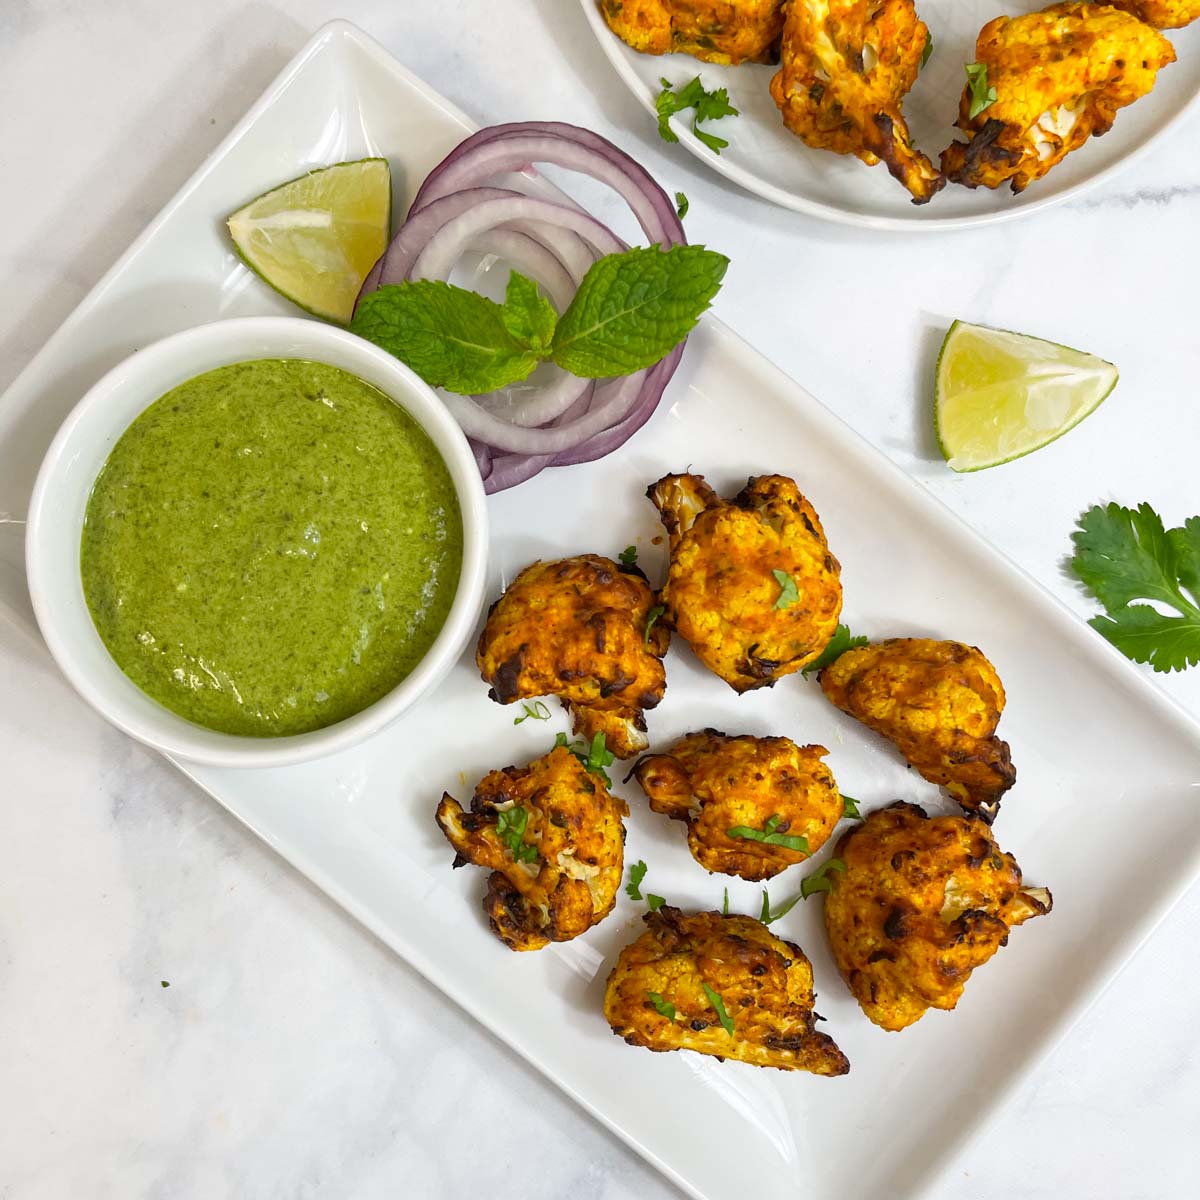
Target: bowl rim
55, 599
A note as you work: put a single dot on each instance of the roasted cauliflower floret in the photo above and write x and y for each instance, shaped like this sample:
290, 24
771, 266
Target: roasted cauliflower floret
939, 702
718, 31
1060, 76
726, 789
921, 904
846, 66
553, 838
751, 586
576, 628
656, 995
1161, 14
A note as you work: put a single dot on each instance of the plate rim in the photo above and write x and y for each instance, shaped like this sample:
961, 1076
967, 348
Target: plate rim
936, 1167
611, 45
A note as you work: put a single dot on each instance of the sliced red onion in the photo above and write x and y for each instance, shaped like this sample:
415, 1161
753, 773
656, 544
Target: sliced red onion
526, 213
507, 470
531, 258
540, 405
504, 148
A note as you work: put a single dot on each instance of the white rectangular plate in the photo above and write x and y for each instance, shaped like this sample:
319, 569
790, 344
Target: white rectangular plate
1105, 812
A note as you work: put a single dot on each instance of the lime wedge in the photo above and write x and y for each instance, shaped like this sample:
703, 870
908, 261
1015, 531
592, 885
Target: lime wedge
1002, 395
315, 238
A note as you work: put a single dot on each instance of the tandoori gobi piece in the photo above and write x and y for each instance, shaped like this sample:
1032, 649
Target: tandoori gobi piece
845, 67
580, 629
553, 838
719, 985
1059, 76
718, 31
1162, 14
751, 585
940, 703
753, 806
921, 904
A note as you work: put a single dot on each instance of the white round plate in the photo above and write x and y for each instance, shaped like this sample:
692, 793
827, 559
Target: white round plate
764, 158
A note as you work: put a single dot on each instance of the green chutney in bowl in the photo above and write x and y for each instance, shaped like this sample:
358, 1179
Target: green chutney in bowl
271, 547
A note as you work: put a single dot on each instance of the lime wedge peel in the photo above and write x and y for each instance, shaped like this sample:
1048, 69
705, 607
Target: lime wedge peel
315, 238
1002, 395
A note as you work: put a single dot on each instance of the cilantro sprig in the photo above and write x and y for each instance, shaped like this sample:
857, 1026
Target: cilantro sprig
709, 106
630, 311
982, 96
821, 880
510, 828
1125, 555
715, 1000
841, 641
594, 756
769, 836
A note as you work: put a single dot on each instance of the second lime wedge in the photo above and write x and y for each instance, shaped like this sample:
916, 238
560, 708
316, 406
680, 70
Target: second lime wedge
1002, 395
314, 239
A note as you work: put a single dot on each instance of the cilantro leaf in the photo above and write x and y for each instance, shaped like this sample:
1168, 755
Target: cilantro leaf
629, 556
841, 641
654, 903
663, 1007
510, 828
850, 808
768, 836
634, 308
709, 106
982, 96
821, 880
451, 337
528, 315
539, 712
636, 874
788, 592
652, 616
1123, 555
681, 205
595, 757
927, 51
719, 1005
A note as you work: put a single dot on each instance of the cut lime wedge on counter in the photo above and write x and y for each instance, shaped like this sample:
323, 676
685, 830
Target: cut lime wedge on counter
315, 238
1002, 395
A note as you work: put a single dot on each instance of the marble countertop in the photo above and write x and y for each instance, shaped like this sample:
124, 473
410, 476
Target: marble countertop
293, 1055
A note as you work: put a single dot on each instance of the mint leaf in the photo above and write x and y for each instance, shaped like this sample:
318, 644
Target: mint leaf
788, 592
632, 309
982, 96
636, 874
528, 315
663, 1007
927, 51
450, 337
841, 641
719, 1005
1124, 555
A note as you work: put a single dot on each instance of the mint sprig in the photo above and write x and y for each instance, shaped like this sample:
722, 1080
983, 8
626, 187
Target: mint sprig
630, 311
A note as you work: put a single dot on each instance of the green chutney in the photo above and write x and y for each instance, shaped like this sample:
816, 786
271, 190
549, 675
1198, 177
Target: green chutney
271, 547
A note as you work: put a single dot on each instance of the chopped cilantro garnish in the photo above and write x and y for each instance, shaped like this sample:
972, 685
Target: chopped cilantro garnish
654, 903
637, 873
709, 106
719, 1005
664, 1008
768, 835
850, 809
510, 828
788, 592
982, 96
538, 711
725, 904
594, 757
821, 880
652, 616
628, 556
927, 51
681, 205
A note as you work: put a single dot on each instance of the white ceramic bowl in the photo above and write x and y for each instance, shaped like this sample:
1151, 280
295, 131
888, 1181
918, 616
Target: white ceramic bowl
82, 446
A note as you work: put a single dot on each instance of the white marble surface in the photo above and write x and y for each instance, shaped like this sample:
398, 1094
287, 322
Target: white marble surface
292, 1055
